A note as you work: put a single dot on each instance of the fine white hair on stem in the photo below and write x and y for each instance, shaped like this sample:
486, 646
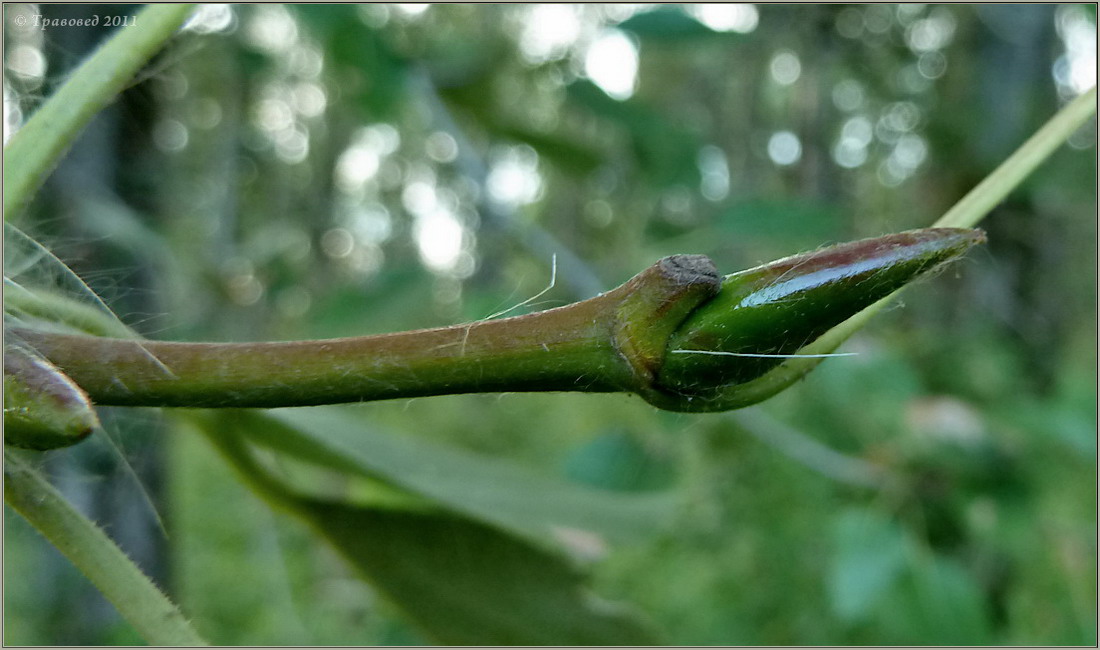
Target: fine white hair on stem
553, 280
34, 255
766, 356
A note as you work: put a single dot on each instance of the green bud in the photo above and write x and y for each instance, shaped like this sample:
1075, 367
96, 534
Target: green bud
43, 408
780, 307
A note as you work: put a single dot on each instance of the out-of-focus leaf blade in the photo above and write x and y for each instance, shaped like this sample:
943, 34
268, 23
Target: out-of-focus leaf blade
869, 557
939, 604
488, 489
616, 460
375, 75
465, 583
568, 155
473, 99
794, 222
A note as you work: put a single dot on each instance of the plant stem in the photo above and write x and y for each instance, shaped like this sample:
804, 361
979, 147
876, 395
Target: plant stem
34, 150
138, 600
675, 334
577, 347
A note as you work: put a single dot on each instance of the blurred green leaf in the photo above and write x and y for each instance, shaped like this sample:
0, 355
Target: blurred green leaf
617, 461
461, 581
489, 489
473, 98
764, 227
869, 555
789, 221
466, 583
569, 156
938, 604
1058, 422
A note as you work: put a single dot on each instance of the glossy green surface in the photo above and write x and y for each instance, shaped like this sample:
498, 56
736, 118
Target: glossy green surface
778, 308
43, 409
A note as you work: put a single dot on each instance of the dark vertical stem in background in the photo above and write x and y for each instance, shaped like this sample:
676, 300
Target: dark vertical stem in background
1010, 79
1029, 244
818, 59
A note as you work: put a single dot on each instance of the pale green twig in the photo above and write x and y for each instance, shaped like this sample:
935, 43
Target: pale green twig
33, 151
973, 207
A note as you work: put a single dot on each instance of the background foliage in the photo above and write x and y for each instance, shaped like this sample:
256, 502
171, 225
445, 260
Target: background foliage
310, 171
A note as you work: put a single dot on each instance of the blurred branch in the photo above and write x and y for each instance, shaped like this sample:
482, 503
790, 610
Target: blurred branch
576, 274
809, 452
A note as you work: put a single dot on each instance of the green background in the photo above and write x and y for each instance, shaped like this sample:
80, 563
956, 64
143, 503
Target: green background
938, 488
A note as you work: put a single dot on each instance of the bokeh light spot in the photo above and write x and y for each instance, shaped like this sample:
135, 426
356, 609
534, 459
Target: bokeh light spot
784, 148
612, 64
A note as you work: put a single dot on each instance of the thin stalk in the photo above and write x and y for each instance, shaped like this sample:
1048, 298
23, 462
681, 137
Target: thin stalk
139, 601
979, 201
34, 150
968, 212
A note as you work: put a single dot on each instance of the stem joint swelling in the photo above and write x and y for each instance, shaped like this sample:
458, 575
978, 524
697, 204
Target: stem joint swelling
678, 334
654, 304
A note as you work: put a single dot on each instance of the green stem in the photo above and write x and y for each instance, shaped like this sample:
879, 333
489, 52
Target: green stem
138, 600
603, 344
34, 150
677, 334
232, 448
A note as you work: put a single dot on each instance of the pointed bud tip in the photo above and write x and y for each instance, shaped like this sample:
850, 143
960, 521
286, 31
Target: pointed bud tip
771, 311
43, 408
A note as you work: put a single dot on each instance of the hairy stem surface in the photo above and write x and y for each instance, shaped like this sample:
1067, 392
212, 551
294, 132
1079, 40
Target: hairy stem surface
138, 600
677, 334
584, 346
